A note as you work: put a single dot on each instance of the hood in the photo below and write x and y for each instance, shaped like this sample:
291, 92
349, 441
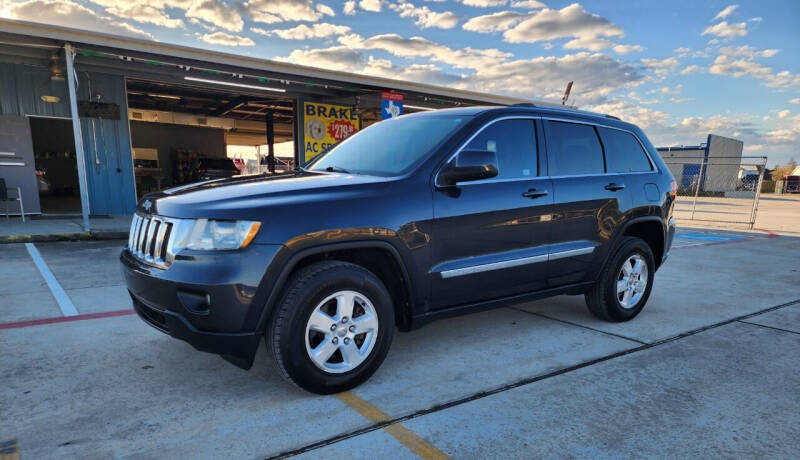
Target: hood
233, 197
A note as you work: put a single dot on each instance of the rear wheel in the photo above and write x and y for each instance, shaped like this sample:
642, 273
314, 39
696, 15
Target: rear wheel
332, 328
625, 282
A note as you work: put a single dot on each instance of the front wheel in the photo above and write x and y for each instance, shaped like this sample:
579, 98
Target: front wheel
625, 283
332, 328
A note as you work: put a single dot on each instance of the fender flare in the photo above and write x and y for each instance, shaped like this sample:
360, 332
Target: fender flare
623, 228
294, 259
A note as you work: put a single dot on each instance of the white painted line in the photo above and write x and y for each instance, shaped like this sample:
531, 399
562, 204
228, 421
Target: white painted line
64, 303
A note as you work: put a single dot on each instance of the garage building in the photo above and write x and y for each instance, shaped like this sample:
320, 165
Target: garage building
142, 116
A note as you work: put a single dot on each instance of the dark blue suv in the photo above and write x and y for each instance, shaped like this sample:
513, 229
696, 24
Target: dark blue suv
412, 219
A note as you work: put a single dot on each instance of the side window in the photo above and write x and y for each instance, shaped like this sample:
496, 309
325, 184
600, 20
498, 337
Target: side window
574, 149
514, 142
623, 152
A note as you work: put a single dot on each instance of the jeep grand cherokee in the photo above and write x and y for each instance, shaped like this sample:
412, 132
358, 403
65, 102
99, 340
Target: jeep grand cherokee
412, 219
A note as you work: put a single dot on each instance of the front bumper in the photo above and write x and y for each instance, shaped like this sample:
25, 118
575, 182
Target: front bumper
213, 301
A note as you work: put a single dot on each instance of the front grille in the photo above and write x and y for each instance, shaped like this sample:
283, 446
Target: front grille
149, 239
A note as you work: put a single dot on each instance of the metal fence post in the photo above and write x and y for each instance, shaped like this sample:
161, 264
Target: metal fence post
697, 187
754, 211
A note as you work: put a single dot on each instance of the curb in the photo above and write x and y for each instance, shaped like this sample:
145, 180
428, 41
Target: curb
81, 236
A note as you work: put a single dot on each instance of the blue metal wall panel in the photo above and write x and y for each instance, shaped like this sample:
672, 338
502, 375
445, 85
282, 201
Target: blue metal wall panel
109, 167
107, 148
22, 89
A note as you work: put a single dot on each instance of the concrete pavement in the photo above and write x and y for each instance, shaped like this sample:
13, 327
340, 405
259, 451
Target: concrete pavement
539, 379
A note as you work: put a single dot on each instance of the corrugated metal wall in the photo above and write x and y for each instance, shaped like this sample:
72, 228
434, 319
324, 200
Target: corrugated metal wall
109, 167
106, 142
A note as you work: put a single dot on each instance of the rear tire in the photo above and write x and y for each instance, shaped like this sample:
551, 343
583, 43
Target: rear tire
624, 285
332, 328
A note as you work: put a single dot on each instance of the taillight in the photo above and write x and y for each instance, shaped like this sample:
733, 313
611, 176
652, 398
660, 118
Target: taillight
673, 189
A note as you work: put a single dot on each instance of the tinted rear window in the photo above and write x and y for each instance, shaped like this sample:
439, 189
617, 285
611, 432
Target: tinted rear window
574, 149
623, 152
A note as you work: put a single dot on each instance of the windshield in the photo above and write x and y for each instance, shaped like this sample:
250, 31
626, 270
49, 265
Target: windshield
390, 147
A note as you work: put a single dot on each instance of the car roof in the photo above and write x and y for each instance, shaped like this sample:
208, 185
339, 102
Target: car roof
555, 111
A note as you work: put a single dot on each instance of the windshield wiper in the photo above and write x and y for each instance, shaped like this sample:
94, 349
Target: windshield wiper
337, 169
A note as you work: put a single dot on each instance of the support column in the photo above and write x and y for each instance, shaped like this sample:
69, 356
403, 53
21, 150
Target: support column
271, 141
76, 133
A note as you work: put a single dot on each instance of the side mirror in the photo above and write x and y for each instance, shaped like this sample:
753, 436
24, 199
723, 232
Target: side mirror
469, 165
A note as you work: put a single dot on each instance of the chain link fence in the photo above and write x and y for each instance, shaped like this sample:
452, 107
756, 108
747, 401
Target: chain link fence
718, 189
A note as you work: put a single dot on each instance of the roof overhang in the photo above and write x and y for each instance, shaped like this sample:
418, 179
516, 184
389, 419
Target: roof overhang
90, 38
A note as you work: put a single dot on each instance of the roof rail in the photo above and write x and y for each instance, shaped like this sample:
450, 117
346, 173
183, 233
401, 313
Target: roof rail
614, 117
523, 104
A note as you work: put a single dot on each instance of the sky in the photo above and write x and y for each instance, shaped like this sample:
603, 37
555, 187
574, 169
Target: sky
679, 69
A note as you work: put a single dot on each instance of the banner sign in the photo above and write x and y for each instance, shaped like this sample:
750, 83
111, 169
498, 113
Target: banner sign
325, 125
391, 105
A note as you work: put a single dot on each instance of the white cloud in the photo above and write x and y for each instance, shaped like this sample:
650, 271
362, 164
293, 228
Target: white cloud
217, 13
569, 22
325, 10
349, 7
484, 3
784, 114
272, 11
589, 43
795, 100
78, 16
689, 69
495, 22
745, 66
682, 50
374, 6
226, 39
335, 58
145, 14
486, 70
725, 12
531, 4
625, 49
748, 52
723, 29
661, 67
305, 32
424, 17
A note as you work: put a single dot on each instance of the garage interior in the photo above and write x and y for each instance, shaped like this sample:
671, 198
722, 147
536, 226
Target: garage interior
179, 131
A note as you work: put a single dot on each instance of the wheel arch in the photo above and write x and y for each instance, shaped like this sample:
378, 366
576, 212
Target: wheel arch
370, 254
651, 230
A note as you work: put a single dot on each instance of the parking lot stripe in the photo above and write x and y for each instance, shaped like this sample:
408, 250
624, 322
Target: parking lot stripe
64, 303
408, 438
65, 319
528, 381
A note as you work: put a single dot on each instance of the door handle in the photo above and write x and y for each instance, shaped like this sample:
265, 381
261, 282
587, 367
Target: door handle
533, 193
614, 186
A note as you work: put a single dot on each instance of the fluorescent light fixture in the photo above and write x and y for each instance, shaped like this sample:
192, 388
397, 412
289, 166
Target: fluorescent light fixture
164, 96
417, 107
50, 99
239, 85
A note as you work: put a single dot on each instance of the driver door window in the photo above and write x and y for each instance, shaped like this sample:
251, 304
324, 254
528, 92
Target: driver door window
514, 143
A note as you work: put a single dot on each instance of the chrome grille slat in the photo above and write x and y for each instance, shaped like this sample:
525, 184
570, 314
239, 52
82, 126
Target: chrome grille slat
149, 239
158, 250
142, 236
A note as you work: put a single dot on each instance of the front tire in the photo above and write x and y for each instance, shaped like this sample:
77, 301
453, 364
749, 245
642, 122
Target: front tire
332, 328
625, 282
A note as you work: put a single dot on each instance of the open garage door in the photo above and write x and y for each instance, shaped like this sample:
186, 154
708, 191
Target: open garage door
184, 133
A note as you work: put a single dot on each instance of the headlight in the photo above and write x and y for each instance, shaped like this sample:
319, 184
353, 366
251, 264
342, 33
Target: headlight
208, 234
